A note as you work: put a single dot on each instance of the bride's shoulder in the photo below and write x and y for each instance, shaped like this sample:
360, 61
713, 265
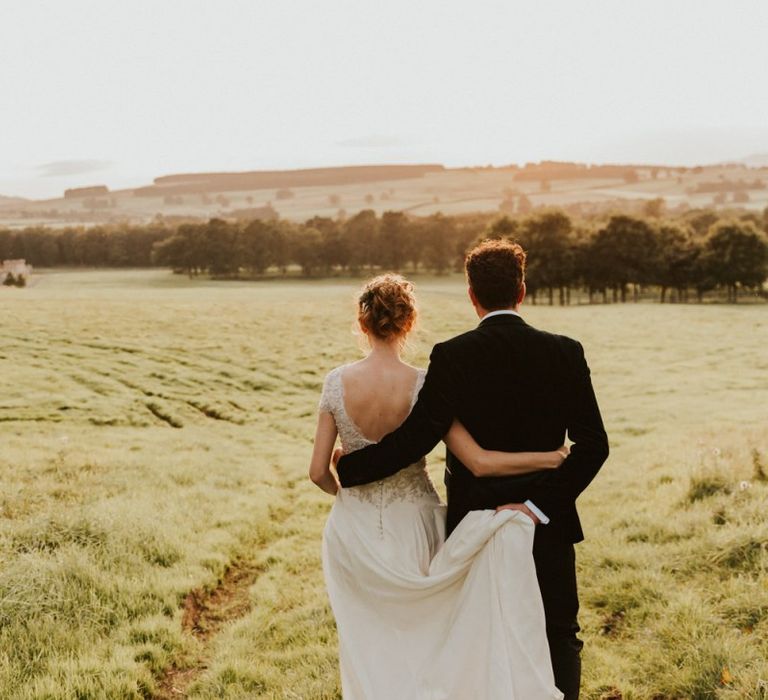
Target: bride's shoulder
340, 368
331, 391
421, 371
332, 374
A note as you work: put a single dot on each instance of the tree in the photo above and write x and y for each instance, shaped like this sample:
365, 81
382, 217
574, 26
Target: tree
333, 246
36, 244
438, 233
360, 233
195, 249
95, 249
172, 252
417, 241
654, 208
393, 239
306, 246
468, 231
502, 227
700, 220
282, 234
703, 276
737, 255
255, 246
524, 205
546, 238
676, 257
6, 244
508, 206
624, 252
220, 250
584, 271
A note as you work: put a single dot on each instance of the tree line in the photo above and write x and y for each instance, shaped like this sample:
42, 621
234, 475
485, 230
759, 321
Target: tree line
95, 246
612, 259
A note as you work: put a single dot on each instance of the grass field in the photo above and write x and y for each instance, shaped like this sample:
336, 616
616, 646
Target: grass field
159, 538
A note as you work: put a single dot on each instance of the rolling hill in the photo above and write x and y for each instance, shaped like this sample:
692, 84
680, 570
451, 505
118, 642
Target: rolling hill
420, 189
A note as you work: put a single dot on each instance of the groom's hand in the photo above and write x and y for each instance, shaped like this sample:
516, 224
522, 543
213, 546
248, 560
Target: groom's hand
522, 507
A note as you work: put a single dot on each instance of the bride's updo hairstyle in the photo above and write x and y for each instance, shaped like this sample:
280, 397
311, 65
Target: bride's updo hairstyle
387, 307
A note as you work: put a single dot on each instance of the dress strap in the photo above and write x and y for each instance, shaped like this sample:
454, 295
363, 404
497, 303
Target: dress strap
422, 373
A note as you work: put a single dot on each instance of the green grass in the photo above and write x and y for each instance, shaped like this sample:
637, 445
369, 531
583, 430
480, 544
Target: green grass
153, 429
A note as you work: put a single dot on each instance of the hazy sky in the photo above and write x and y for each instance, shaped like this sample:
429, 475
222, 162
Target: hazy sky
120, 91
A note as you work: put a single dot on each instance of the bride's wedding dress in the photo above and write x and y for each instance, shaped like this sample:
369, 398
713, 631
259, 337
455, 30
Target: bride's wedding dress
420, 617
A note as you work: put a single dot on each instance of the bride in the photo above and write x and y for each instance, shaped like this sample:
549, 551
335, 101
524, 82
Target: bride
419, 616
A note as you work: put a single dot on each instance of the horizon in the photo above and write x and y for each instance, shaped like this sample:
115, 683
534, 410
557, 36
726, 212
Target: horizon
500, 166
122, 96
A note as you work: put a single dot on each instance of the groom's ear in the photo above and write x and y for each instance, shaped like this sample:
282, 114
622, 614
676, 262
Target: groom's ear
472, 296
521, 296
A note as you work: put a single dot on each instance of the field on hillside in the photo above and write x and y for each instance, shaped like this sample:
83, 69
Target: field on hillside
452, 191
159, 537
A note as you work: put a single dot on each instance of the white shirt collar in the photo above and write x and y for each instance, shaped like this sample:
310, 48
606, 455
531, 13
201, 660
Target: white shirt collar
499, 312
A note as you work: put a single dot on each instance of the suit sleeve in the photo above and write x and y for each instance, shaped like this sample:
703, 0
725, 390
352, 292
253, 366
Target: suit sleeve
426, 425
558, 489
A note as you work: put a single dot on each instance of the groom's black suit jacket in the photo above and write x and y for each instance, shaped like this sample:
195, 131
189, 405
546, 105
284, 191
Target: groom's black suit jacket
516, 389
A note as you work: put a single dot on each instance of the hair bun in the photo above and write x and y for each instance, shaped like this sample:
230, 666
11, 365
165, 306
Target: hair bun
387, 306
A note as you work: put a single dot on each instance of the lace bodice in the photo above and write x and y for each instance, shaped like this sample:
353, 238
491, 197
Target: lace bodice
411, 483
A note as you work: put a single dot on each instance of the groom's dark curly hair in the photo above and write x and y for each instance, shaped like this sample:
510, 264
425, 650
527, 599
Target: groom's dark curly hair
496, 272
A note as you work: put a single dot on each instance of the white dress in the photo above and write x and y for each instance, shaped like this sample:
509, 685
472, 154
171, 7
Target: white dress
419, 617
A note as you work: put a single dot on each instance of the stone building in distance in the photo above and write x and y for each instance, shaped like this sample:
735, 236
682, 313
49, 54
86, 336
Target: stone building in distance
17, 268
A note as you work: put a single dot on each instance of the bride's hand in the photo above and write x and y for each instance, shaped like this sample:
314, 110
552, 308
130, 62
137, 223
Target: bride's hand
336, 456
559, 455
521, 507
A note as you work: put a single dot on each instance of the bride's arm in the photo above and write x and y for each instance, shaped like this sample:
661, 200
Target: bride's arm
320, 465
494, 463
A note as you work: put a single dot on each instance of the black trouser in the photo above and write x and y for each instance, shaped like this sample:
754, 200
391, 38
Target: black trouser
556, 572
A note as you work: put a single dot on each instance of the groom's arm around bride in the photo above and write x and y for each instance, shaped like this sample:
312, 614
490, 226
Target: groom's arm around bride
514, 388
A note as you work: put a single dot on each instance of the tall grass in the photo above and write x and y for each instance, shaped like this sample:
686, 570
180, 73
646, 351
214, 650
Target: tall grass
153, 430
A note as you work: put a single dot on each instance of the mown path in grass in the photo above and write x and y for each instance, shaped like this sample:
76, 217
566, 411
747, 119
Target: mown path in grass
206, 611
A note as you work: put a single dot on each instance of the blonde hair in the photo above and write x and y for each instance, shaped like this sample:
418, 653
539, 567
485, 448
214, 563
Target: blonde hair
387, 307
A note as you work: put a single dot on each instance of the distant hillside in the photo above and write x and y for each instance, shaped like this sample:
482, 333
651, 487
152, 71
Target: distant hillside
757, 160
91, 191
191, 183
581, 189
564, 170
11, 200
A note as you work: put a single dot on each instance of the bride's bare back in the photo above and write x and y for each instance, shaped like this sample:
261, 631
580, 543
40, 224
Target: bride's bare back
366, 400
377, 394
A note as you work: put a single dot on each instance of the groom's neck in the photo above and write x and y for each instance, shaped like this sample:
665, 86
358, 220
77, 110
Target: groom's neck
482, 312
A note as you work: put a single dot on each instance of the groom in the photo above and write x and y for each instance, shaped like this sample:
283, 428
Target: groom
516, 389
